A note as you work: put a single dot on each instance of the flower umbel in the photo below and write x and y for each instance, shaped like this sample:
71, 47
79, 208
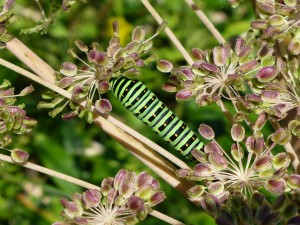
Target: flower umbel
93, 77
245, 170
125, 199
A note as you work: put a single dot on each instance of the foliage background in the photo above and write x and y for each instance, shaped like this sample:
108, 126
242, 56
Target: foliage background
83, 150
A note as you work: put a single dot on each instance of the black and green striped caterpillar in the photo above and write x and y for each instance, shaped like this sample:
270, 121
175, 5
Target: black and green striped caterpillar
144, 104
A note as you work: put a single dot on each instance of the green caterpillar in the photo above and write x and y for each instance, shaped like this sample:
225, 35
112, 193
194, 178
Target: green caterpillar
143, 103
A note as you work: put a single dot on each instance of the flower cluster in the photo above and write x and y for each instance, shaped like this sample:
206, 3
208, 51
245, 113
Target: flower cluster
13, 118
93, 77
125, 199
258, 210
5, 15
249, 167
218, 73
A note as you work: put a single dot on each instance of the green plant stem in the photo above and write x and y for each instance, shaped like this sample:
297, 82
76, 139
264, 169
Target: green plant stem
78, 182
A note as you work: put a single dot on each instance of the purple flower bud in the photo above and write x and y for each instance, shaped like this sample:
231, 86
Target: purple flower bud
198, 155
91, 198
239, 45
183, 173
279, 202
266, 74
157, 198
213, 147
184, 95
253, 98
164, 66
132, 73
260, 121
187, 72
198, 70
64, 202
248, 66
27, 90
237, 153
103, 87
65, 82
270, 96
197, 54
218, 161
281, 160
245, 52
266, 7
81, 46
82, 221
206, 131
259, 25
294, 46
138, 34
203, 170
211, 204
216, 188
73, 210
285, 10
103, 106
263, 163
59, 223
115, 26
219, 56
143, 179
276, 186
19, 156
209, 67
70, 115
106, 185
294, 181
196, 191
169, 87
135, 204
120, 177
277, 20
237, 132
68, 69
281, 136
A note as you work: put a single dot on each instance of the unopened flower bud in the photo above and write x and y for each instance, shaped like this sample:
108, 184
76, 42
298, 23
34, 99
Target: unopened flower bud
276, 186
157, 198
216, 188
169, 87
266, 74
184, 95
164, 66
263, 163
196, 191
197, 54
237, 132
135, 204
138, 34
103, 106
19, 156
68, 69
206, 131
81, 46
91, 198
294, 181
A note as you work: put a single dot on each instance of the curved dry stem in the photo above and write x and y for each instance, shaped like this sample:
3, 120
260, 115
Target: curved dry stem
206, 21
168, 31
81, 183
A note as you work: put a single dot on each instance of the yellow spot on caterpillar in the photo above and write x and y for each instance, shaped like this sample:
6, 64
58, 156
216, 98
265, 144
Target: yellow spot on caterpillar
126, 89
144, 91
172, 117
123, 96
154, 115
145, 107
152, 99
137, 99
165, 125
176, 135
187, 145
193, 138
183, 127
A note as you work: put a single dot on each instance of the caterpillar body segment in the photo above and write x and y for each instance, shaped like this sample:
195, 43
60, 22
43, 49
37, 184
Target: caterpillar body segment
144, 104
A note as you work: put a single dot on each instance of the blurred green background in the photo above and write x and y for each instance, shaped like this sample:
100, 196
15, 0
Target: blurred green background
83, 150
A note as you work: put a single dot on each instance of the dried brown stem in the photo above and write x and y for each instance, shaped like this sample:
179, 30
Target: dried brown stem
206, 21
